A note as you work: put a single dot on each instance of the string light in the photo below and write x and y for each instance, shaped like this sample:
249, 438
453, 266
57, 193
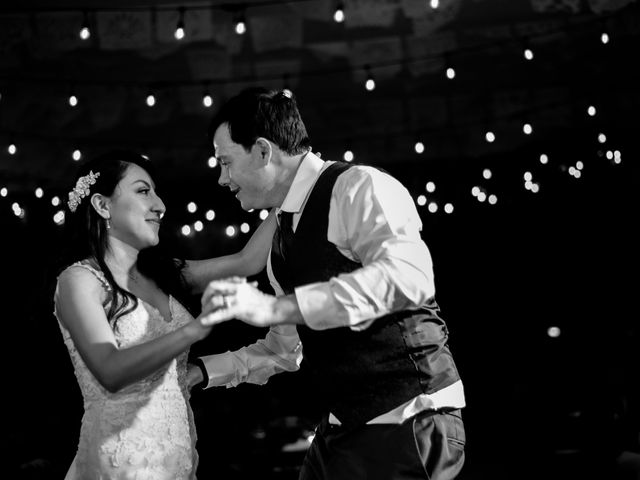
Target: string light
185, 230
527, 128
241, 26
39, 192
348, 156
3, 192
591, 111
179, 33
210, 215
433, 207
207, 99
451, 73
486, 173
421, 200
192, 207
493, 199
12, 149
448, 208
212, 162
263, 214
490, 137
338, 14
244, 228
419, 147
85, 32
430, 187
230, 231
370, 84
151, 99
544, 159
73, 100
553, 332
76, 155
434, 3
55, 201
602, 138
198, 226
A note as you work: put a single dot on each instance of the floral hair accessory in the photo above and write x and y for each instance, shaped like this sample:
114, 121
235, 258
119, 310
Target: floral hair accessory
81, 190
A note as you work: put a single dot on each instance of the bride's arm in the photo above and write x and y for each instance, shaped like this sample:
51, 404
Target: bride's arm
79, 300
248, 261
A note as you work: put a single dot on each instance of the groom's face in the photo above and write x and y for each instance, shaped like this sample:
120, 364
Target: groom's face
241, 171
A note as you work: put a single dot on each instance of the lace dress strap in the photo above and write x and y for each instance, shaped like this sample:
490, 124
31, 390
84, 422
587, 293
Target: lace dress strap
98, 273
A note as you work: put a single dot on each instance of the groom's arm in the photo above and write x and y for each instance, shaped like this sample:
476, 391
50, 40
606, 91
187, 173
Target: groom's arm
280, 351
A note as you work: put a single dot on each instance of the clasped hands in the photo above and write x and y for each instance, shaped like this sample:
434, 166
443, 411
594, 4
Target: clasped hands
234, 297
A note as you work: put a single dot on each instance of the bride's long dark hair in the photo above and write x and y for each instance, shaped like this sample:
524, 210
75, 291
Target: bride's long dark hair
87, 239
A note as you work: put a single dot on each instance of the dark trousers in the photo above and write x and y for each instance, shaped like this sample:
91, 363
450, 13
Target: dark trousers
428, 446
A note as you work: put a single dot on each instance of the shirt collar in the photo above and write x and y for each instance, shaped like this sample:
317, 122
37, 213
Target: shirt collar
304, 180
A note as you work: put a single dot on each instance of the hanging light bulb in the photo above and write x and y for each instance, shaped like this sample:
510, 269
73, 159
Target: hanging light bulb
528, 53
85, 32
179, 33
241, 26
73, 100
151, 99
604, 34
434, 3
370, 84
207, 99
338, 14
12, 149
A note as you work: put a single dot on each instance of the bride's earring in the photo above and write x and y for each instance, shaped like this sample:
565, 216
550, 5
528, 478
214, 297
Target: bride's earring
108, 222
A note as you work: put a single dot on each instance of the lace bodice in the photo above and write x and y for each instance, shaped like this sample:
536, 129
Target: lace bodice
145, 430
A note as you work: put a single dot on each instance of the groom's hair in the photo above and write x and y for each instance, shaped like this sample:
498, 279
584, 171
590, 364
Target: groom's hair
258, 112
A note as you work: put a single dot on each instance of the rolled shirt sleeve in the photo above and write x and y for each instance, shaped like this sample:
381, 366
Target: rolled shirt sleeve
372, 220
279, 351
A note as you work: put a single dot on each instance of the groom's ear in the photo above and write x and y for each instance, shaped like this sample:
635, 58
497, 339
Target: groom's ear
265, 149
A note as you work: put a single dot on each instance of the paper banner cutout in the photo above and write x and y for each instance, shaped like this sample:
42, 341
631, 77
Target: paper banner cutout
383, 55
436, 18
208, 63
14, 30
427, 55
224, 32
60, 31
267, 32
415, 8
327, 51
278, 74
321, 10
604, 6
124, 30
198, 26
370, 13
541, 6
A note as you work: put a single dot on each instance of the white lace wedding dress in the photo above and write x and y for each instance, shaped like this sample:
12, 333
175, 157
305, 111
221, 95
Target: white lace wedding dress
146, 430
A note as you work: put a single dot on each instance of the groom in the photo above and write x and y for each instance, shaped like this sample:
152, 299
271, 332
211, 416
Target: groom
354, 278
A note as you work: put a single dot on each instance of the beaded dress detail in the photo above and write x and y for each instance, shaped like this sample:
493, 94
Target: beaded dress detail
146, 430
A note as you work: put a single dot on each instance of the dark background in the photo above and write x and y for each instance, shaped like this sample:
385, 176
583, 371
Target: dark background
566, 256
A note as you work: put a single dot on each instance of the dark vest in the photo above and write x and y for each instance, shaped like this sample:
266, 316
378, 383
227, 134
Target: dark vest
360, 374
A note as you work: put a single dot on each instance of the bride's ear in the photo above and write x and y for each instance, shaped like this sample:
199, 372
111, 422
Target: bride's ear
101, 205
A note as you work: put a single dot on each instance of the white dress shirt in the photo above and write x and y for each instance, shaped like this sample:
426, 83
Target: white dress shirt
373, 221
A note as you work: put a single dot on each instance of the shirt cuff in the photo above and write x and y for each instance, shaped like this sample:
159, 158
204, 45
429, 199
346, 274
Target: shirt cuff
221, 369
319, 308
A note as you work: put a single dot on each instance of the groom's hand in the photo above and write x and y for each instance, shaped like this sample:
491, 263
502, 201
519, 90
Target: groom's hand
235, 298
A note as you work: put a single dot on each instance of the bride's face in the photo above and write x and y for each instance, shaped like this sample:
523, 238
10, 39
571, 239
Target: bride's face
136, 209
